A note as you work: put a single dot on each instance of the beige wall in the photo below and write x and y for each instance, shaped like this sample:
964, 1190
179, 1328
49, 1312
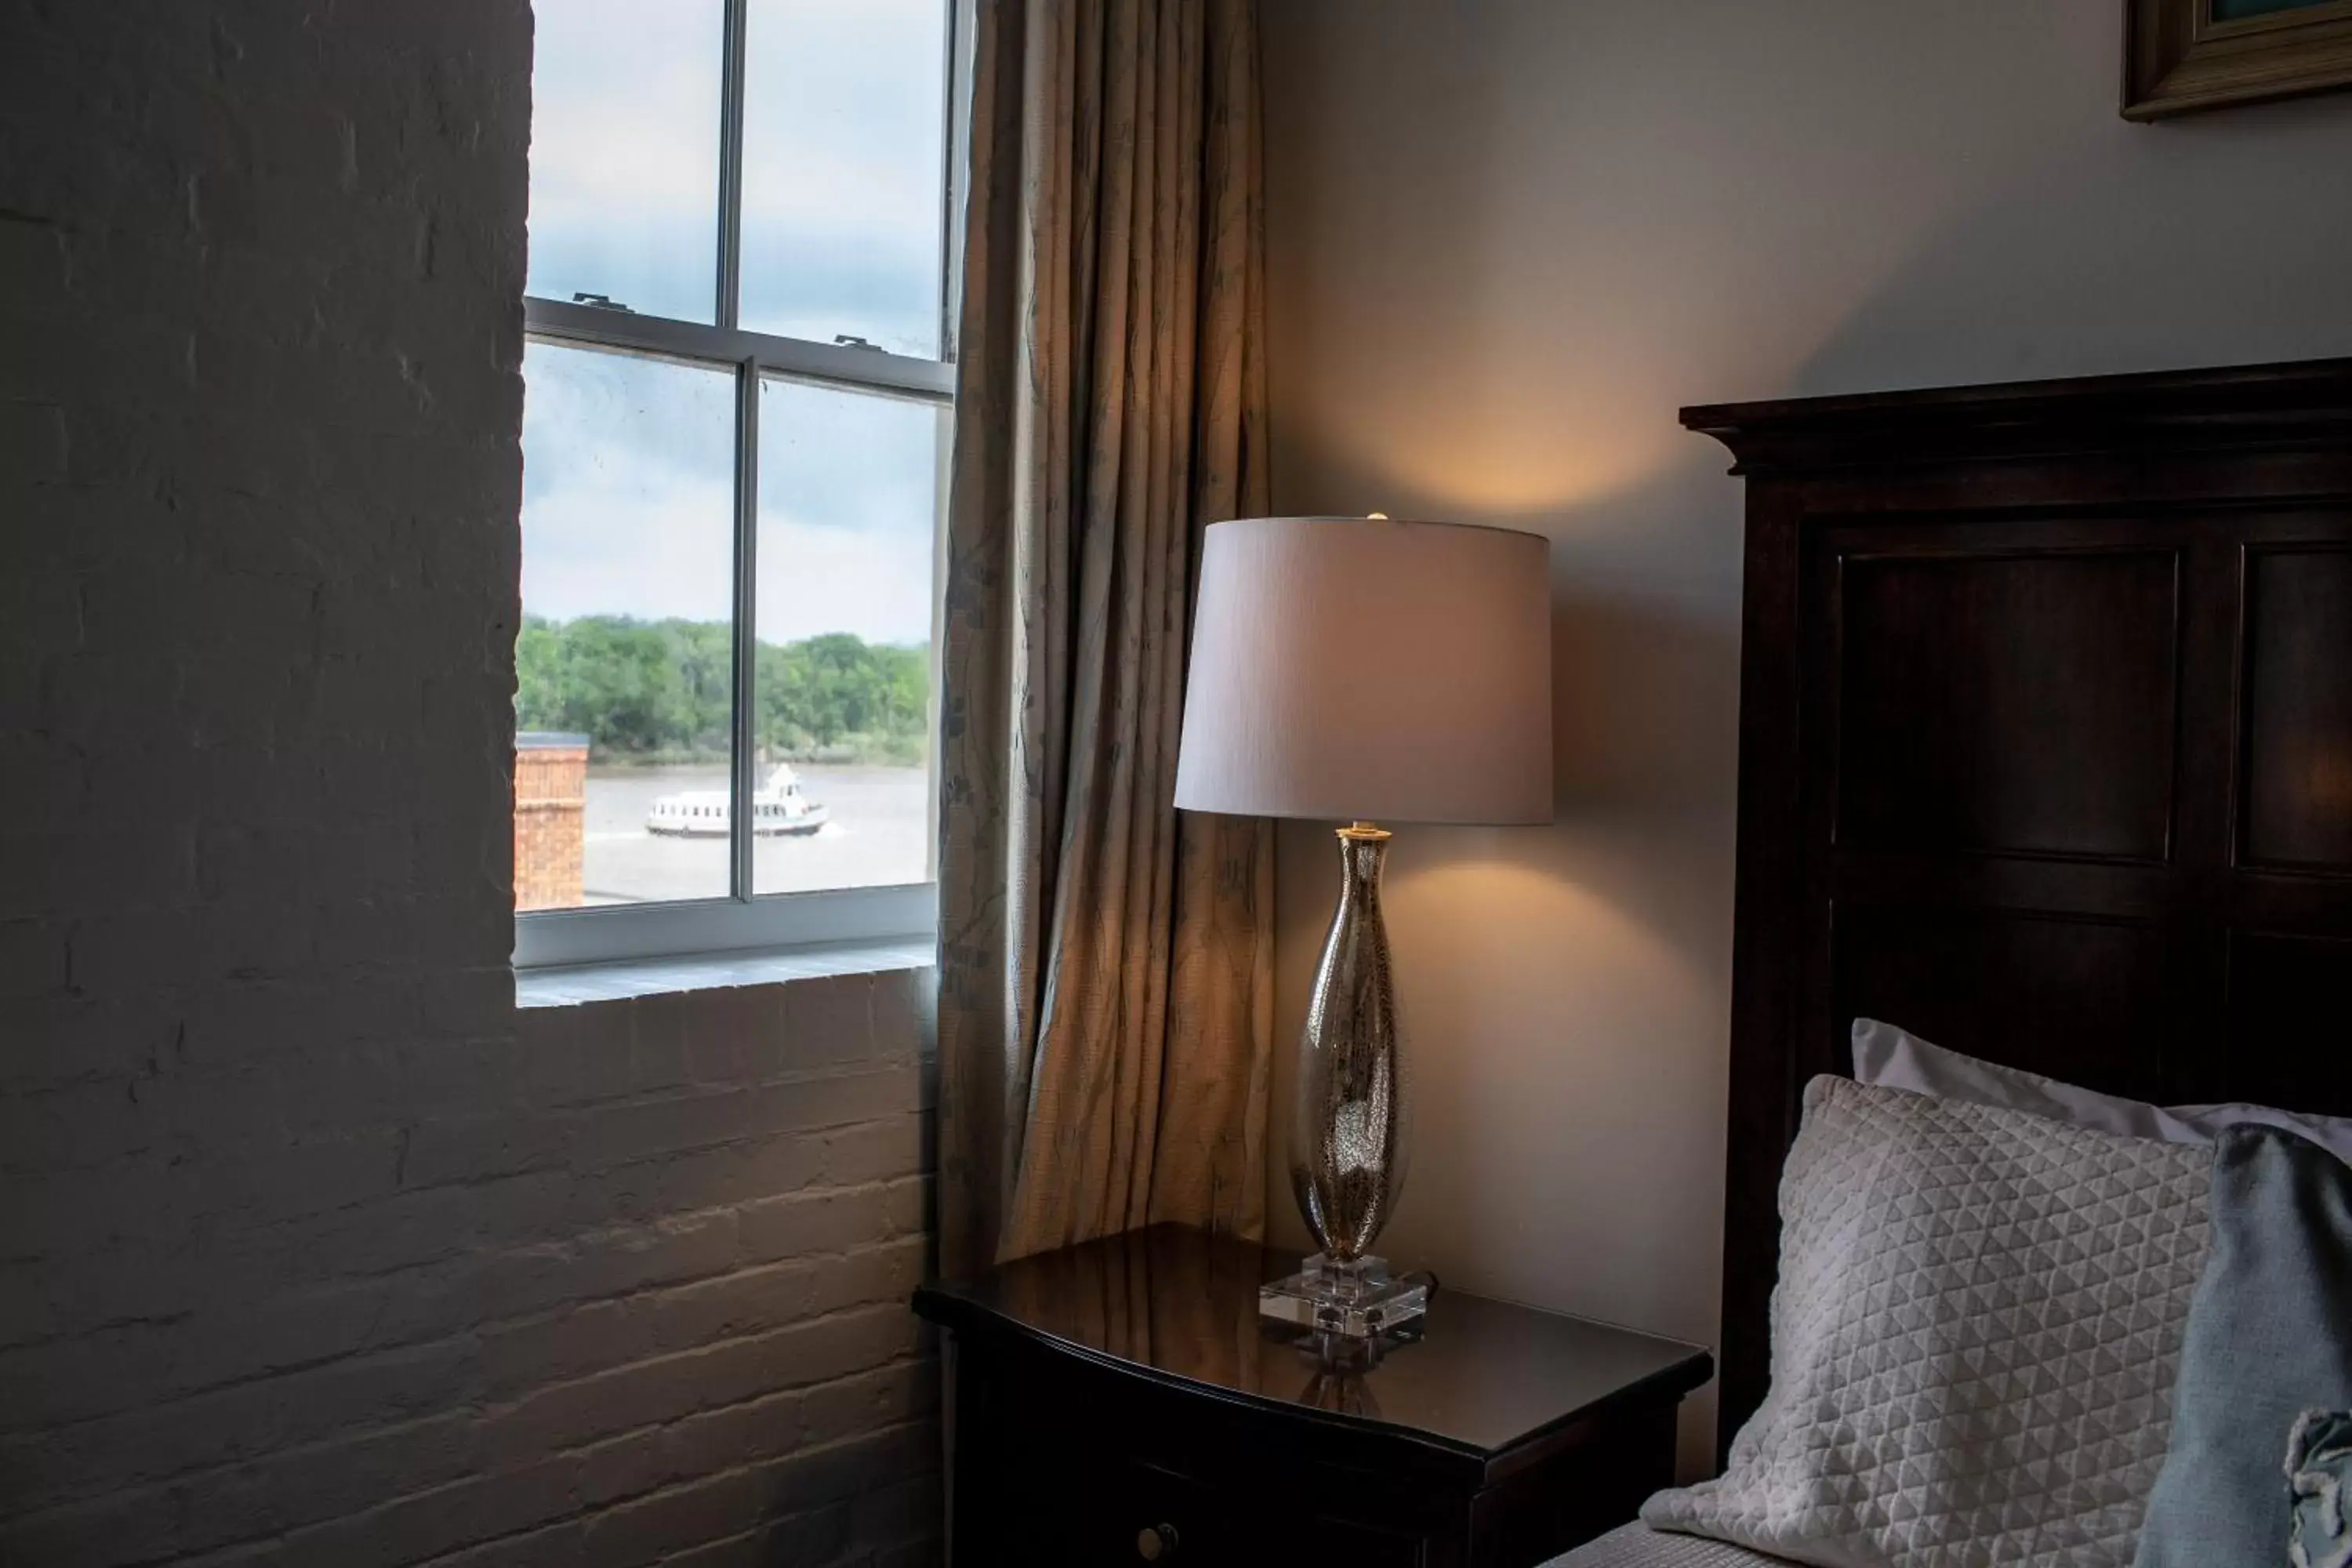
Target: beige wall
1507, 241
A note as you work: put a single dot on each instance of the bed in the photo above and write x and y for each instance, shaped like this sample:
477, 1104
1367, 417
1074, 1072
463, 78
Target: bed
2046, 753
1638, 1546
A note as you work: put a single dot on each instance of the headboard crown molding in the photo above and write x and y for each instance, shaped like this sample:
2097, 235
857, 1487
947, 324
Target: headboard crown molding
2243, 406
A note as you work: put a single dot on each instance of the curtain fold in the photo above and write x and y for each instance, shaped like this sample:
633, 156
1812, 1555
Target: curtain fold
1104, 964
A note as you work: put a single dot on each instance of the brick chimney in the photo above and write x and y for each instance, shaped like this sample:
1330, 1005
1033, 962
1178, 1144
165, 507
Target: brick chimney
551, 799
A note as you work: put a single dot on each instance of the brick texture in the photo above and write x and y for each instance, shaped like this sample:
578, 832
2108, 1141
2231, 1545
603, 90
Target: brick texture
313, 1248
551, 821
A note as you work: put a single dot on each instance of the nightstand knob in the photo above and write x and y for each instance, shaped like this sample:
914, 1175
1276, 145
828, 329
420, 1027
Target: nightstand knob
1154, 1541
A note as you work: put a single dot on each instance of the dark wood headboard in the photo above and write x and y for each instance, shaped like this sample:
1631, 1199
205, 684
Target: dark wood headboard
2045, 749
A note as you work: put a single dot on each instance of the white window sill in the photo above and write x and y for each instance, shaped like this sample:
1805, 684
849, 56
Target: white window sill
573, 986
694, 930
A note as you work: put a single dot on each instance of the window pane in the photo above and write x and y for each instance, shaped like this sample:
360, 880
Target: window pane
625, 153
624, 664
843, 128
848, 497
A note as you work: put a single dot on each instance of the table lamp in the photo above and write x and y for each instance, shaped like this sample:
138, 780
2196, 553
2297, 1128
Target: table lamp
1358, 669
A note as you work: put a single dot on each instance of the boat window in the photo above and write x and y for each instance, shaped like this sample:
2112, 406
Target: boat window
747, 312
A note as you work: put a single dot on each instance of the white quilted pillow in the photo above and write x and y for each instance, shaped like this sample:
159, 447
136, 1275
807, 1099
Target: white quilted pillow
1974, 1337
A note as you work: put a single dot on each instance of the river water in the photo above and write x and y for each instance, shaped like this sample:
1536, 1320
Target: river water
878, 835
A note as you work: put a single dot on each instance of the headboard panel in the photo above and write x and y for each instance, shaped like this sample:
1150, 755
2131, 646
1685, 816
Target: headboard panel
2045, 749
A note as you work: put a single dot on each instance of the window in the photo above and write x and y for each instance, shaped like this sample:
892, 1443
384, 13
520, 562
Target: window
737, 406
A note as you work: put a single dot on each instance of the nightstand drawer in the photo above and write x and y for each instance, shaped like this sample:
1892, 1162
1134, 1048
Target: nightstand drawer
1139, 1513
1134, 1511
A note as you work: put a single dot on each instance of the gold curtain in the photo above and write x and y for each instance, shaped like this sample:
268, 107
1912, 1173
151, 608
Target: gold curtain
1104, 964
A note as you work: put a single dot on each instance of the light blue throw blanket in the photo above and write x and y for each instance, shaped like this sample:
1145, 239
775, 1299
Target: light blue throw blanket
2319, 1473
2268, 1352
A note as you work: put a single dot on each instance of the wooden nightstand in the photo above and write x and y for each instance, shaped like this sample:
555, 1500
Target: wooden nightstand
1122, 1402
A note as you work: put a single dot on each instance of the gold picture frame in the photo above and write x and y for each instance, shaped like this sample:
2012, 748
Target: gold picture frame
2182, 57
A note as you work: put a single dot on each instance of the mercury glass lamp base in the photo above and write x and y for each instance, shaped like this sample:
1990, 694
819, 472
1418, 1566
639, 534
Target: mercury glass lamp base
1359, 1301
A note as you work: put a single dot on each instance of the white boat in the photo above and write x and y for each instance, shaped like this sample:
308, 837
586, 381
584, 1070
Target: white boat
777, 807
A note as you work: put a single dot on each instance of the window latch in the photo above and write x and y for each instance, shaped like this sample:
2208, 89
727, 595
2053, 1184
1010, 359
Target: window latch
602, 303
843, 340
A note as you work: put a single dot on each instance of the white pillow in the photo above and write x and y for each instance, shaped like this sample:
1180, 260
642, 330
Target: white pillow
1888, 1057
1974, 1338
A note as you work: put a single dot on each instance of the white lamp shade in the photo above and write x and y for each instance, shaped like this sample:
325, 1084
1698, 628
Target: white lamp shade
1360, 668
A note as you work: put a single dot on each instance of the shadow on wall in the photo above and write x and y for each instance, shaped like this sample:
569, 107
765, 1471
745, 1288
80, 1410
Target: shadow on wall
1997, 293
1506, 243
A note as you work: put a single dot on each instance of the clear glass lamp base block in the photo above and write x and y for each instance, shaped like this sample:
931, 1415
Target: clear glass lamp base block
1359, 1301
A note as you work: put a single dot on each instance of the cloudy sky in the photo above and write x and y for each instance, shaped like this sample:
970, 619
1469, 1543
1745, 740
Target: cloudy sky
628, 463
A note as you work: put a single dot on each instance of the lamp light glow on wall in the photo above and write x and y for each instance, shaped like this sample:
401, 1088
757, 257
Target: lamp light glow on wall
1359, 669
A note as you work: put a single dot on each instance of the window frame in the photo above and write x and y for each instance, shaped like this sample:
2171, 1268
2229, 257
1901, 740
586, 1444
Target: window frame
744, 919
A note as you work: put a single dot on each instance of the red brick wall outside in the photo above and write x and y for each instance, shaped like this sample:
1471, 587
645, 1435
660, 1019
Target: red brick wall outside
551, 797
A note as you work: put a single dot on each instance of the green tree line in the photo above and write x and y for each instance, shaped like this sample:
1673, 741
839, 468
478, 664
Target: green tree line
659, 690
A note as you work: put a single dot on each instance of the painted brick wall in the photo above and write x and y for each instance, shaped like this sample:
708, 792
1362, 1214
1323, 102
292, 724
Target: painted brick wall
312, 1249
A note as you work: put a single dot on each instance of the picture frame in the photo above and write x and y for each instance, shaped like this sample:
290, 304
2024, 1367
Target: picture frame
2183, 56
